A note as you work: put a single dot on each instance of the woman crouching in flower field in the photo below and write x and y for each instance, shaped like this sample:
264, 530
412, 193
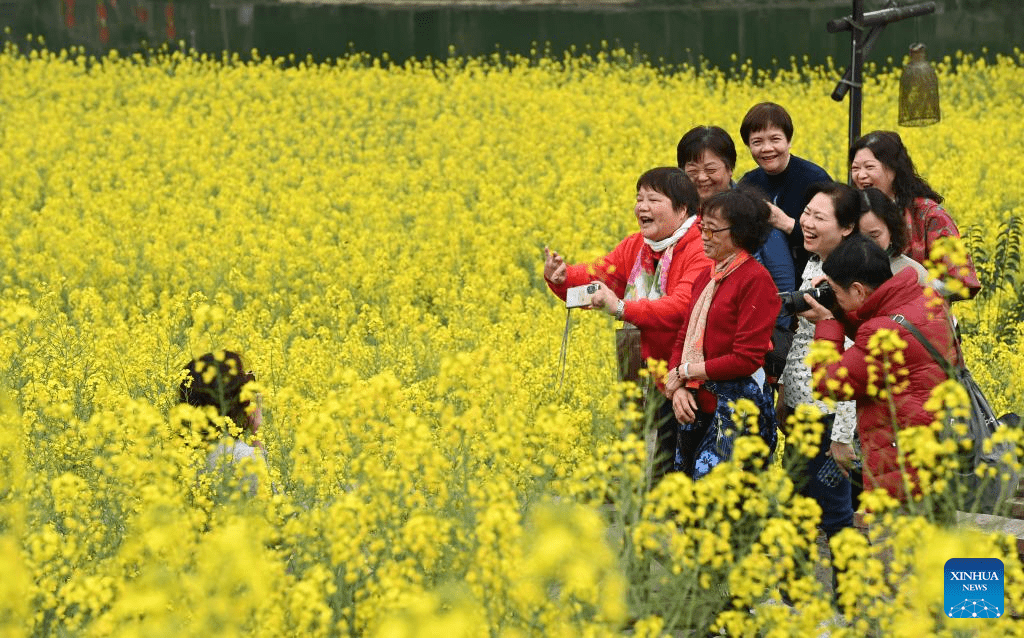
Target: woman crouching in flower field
719, 352
887, 371
216, 383
647, 279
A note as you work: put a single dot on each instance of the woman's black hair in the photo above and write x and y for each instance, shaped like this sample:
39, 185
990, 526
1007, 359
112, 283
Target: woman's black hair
746, 213
216, 379
875, 201
699, 139
857, 258
888, 148
764, 116
845, 200
673, 183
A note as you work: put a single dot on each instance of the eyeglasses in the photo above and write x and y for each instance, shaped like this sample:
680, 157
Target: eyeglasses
708, 233
711, 171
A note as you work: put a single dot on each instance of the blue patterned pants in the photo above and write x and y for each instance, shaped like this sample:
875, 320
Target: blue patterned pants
710, 439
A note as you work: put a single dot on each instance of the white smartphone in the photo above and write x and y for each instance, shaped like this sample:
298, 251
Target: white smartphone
579, 296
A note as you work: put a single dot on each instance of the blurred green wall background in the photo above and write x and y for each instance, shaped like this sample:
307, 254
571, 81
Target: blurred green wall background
767, 31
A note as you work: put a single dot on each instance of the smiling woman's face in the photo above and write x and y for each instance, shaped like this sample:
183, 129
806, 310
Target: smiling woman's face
655, 215
875, 229
710, 174
717, 235
822, 232
868, 171
770, 149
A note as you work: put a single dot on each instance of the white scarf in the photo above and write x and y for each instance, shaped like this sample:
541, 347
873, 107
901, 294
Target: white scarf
643, 285
662, 244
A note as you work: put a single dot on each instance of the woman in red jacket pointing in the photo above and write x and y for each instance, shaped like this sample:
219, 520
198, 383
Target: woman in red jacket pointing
647, 279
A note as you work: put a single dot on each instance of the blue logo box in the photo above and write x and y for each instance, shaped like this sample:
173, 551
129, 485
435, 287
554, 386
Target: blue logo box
974, 588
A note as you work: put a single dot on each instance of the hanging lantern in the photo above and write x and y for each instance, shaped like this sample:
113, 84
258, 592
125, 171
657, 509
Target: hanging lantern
919, 90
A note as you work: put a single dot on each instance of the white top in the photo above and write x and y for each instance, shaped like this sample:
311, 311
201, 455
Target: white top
902, 262
231, 452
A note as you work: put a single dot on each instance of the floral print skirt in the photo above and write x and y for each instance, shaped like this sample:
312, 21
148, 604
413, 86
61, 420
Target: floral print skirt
710, 439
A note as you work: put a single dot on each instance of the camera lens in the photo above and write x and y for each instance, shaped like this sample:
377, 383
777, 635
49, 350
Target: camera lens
793, 302
824, 295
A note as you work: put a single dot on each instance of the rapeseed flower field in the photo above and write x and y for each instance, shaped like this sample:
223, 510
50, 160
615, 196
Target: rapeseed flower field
369, 236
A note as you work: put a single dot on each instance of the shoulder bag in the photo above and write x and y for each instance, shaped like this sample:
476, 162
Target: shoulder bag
989, 495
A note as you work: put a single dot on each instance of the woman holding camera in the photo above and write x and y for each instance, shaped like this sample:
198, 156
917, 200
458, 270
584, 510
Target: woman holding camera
830, 216
719, 352
870, 296
646, 280
880, 160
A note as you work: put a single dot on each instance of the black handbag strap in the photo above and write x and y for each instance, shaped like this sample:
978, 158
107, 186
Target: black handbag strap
932, 350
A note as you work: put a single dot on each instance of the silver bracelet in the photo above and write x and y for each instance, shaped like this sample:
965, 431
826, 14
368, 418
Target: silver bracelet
621, 308
686, 370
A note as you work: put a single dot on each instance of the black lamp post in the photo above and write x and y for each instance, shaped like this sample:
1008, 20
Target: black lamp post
864, 30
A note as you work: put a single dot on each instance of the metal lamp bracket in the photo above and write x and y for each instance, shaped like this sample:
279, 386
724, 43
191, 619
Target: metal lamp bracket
864, 30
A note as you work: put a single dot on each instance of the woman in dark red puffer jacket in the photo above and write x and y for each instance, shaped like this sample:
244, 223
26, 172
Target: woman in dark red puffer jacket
870, 296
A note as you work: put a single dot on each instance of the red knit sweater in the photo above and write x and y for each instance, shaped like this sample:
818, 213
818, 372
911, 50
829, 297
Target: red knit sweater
739, 327
658, 320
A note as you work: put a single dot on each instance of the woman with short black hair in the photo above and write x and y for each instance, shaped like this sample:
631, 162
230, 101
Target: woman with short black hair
767, 131
646, 281
719, 353
871, 297
708, 156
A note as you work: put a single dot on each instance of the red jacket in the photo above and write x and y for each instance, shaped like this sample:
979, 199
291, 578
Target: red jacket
739, 327
926, 223
658, 320
900, 295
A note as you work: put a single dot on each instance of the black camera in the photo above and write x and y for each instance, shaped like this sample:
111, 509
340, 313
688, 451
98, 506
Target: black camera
794, 303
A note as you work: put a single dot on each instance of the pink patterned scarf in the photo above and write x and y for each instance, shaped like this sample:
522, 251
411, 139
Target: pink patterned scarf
693, 345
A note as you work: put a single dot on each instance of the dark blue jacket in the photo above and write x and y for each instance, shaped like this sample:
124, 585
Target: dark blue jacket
786, 190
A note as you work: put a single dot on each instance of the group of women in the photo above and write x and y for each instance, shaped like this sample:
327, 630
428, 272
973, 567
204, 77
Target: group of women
712, 315
700, 281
